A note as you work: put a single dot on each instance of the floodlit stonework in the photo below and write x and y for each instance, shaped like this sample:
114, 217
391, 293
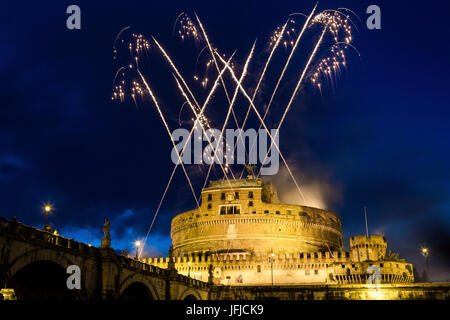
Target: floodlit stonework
247, 237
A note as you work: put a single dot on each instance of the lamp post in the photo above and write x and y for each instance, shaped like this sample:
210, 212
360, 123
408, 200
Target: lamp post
137, 244
47, 209
426, 253
271, 265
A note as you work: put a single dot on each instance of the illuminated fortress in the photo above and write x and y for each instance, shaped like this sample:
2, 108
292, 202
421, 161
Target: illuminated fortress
242, 235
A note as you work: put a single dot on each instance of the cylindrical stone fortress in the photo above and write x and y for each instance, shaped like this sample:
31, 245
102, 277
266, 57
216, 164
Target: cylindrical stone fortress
245, 216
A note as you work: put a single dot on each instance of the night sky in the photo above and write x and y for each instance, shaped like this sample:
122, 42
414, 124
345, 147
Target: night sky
377, 138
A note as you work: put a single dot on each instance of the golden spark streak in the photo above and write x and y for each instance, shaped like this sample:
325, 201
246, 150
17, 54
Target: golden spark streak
175, 69
305, 25
205, 35
289, 59
184, 148
262, 121
209, 140
259, 83
187, 87
230, 108
311, 57
168, 131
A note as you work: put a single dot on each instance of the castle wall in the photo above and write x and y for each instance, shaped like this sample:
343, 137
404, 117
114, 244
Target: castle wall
236, 217
306, 268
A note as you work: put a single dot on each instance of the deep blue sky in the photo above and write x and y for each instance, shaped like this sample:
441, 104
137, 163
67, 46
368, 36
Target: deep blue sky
380, 138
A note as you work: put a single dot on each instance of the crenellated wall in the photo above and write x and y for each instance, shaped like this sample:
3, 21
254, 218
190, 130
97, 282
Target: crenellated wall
240, 268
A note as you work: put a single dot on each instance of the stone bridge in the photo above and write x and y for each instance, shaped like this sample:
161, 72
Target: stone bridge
33, 262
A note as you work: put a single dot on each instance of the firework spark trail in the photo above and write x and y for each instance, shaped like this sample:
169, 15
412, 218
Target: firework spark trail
176, 70
157, 210
264, 125
297, 41
208, 44
230, 108
184, 148
289, 60
216, 83
168, 131
311, 57
205, 35
118, 35
179, 157
175, 23
343, 14
259, 83
187, 87
207, 137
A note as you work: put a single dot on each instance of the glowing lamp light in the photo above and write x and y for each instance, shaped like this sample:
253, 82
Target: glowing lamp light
47, 207
137, 244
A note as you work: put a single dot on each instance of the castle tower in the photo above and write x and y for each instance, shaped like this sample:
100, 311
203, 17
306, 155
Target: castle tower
372, 248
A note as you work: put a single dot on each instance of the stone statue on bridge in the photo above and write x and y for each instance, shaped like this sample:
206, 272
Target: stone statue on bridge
106, 240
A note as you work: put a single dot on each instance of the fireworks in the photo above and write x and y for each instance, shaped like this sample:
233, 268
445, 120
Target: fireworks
186, 28
286, 34
339, 26
216, 70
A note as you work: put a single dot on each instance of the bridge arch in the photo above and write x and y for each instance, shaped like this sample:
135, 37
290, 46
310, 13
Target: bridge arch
138, 282
44, 268
190, 294
35, 255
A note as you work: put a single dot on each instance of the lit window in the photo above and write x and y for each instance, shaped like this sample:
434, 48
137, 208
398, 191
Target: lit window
231, 209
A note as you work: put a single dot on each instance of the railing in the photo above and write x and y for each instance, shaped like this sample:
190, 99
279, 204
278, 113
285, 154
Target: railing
19, 231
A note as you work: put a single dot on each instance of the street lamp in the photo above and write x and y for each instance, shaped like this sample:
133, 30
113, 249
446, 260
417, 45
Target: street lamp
426, 253
271, 258
137, 244
47, 209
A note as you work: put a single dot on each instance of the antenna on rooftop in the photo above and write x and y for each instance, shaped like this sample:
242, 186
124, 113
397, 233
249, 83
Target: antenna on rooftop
365, 216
